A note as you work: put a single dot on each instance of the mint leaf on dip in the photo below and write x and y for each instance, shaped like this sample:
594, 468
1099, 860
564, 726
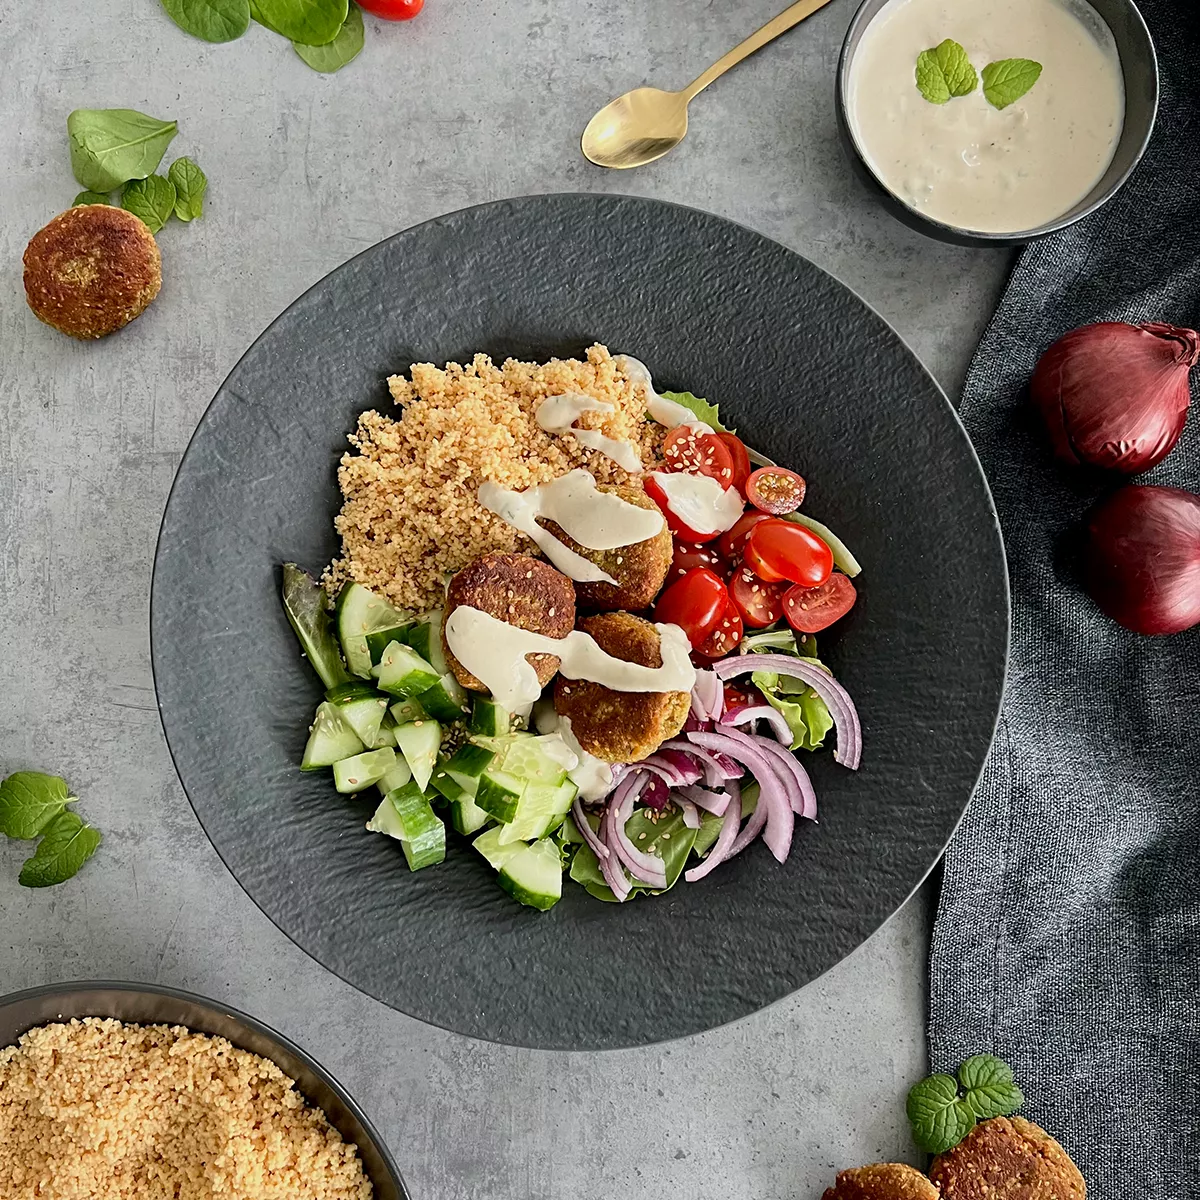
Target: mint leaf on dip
945, 71
1009, 79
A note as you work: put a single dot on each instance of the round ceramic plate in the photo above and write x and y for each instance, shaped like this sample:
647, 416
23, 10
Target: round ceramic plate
810, 376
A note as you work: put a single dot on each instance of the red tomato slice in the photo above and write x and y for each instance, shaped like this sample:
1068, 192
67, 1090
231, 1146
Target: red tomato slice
741, 460
778, 550
393, 10
811, 609
690, 555
759, 602
742, 695
695, 602
733, 542
685, 533
726, 636
697, 454
775, 490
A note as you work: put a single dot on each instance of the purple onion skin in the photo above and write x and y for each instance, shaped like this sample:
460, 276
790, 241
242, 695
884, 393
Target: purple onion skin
1114, 395
1142, 558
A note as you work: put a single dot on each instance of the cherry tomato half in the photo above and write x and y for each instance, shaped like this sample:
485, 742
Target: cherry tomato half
727, 635
775, 490
393, 10
741, 460
690, 555
696, 603
685, 533
759, 602
778, 550
811, 609
733, 542
697, 454
742, 695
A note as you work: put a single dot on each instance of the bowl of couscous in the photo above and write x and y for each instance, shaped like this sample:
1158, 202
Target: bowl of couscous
127, 1090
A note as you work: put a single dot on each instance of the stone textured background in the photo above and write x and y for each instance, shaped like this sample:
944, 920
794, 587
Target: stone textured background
470, 102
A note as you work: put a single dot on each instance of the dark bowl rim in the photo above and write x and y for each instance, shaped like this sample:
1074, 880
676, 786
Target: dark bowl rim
956, 233
284, 1043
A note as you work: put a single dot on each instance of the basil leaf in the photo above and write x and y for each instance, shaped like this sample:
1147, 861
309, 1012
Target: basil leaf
343, 49
1009, 79
940, 1118
210, 20
110, 146
65, 847
991, 1091
91, 198
29, 801
707, 834
701, 409
310, 22
190, 184
152, 199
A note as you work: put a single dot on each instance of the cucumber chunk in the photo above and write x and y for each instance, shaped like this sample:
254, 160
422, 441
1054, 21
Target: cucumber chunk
403, 672
488, 844
330, 740
499, 793
357, 773
540, 811
381, 639
489, 719
347, 693
364, 714
360, 612
396, 777
419, 742
407, 710
533, 875
425, 637
467, 764
386, 735
445, 701
422, 836
307, 607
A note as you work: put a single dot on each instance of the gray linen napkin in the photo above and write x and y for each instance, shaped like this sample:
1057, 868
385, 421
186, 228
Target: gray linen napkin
1067, 937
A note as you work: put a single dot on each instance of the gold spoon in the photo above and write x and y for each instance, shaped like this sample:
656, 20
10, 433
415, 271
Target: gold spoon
644, 124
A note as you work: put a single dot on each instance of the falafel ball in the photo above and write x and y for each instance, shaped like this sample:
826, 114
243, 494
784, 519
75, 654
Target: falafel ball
621, 727
92, 270
1007, 1158
882, 1181
639, 569
520, 590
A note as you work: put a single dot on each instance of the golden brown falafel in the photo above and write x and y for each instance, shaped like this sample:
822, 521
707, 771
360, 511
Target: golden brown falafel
621, 726
92, 270
882, 1181
639, 569
1008, 1158
520, 590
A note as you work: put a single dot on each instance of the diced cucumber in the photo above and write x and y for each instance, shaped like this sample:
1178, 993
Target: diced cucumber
386, 735
533, 875
499, 793
407, 710
347, 693
307, 607
381, 639
403, 672
489, 719
360, 612
364, 714
467, 764
330, 741
425, 637
357, 773
419, 742
386, 820
445, 701
422, 835
526, 758
541, 811
466, 816
446, 785
396, 777
488, 844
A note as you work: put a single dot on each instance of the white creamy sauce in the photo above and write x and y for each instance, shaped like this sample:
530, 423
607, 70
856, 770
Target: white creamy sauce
591, 775
699, 502
494, 652
558, 414
965, 162
665, 412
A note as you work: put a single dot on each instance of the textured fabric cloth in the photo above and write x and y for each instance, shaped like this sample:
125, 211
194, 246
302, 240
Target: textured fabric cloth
1068, 931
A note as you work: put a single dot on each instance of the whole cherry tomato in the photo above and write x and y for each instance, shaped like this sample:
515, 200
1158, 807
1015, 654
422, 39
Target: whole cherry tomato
685, 533
759, 602
698, 454
690, 555
778, 550
733, 542
741, 460
696, 602
775, 490
393, 10
726, 635
811, 609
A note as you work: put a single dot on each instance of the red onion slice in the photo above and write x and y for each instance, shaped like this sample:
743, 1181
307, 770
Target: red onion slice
615, 877
691, 814
708, 696
723, 846
717, 768
803, 796
713, 802
684, 766
761, 712
648, 868
597, 847
841, 707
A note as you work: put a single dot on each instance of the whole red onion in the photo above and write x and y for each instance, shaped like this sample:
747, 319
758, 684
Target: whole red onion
1116, 395
1143, 558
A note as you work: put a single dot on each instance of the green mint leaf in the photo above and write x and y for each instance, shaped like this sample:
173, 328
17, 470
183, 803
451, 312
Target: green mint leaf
110, 146
990, 1089
1009, 79
701, 409
945, 71
210, 20
344, 48
931, 82
91, 198
940, 1118
30, 801
64, 848
152, 199
190, 184
309, 22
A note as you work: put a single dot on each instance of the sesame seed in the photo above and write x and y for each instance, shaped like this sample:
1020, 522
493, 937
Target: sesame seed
666, 837
642, 836
528, 575
551, 613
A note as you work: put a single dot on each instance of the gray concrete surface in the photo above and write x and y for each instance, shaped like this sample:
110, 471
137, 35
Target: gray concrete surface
474, 100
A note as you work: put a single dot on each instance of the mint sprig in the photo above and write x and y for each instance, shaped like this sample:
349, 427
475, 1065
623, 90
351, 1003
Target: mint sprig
945, 71
1009, 79
942, 1110
35, 805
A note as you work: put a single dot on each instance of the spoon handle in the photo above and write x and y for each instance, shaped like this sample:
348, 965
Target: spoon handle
768, 33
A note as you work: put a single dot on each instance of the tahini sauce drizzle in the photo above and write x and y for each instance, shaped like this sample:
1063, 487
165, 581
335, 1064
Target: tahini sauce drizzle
665, 412
591, 775
558, 414
699, 501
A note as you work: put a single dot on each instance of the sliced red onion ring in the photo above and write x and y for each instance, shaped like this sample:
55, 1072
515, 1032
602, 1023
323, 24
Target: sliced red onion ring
615, 877
722, 848
691, 814
761, 712
691, 721
841, 707
717, 767
597, 847
714, 802
803, 796
708, 696
648, 868
677, 769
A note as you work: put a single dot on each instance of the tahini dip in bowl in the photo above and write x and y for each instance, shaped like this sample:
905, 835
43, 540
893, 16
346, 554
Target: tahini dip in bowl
996, 121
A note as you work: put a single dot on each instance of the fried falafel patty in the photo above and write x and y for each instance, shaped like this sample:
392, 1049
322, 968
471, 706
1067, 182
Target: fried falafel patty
621, 727
882, 1181
1008, 1158
521, 591
640, 569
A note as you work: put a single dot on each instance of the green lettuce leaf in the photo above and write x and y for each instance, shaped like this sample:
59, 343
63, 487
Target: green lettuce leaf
701, 409
805, 712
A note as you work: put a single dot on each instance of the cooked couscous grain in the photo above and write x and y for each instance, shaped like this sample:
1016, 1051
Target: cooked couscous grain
99, 1109
410, 514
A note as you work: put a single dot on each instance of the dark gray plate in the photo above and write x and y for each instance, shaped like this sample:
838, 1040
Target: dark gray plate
809, 375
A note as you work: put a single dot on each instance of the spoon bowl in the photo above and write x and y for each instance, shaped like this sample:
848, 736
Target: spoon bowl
636, 128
